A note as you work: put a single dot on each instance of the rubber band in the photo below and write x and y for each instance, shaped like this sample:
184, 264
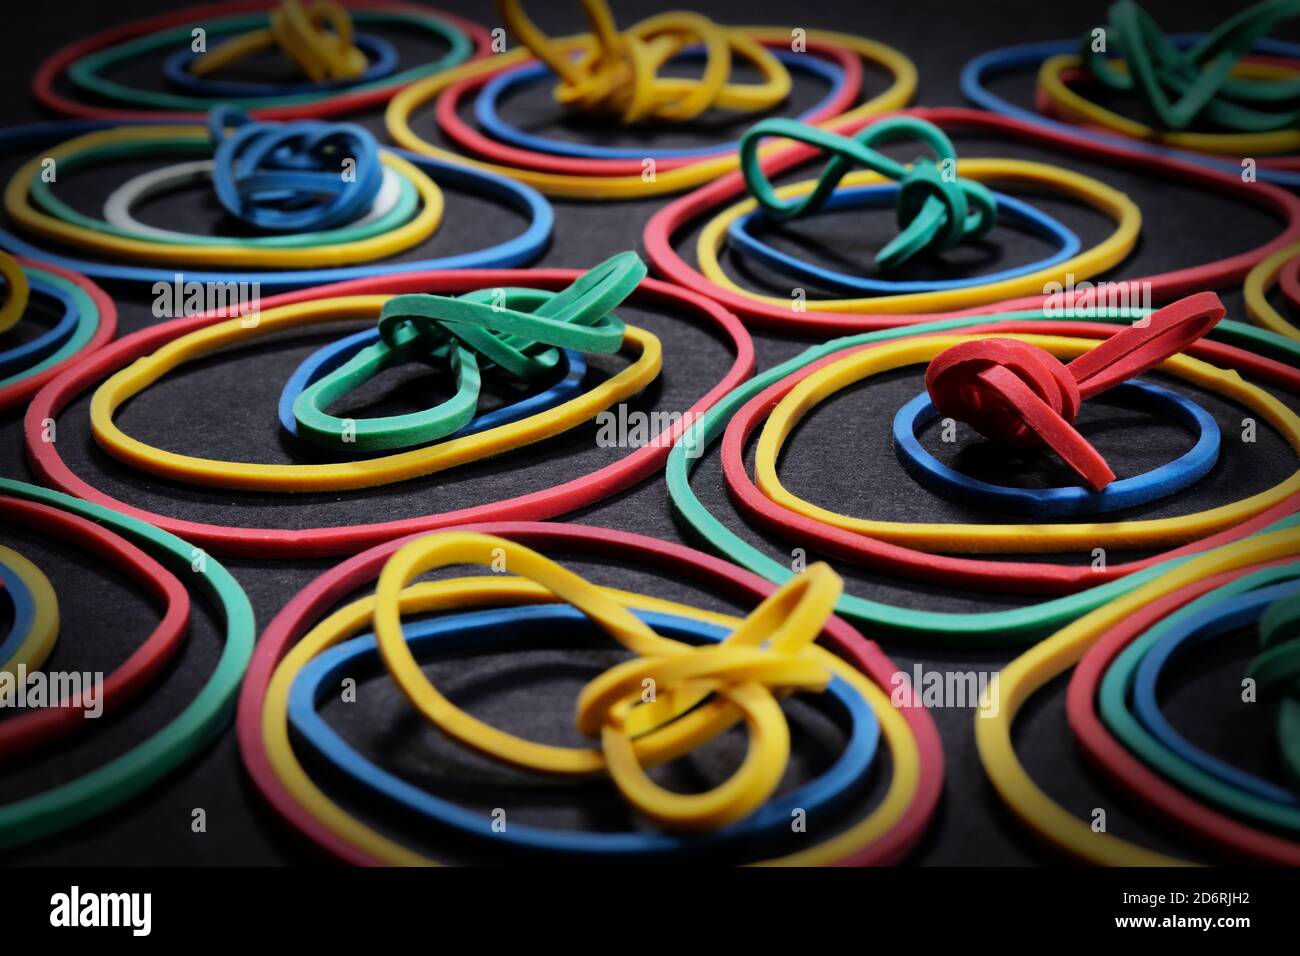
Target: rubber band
1289, 281
523, 248
1010, 211
1256, 288
579, 185
85, 62
152, 759
991, 627
768, 826
785, 315
300, 34
996, 64
882, 836
35, 627
1160, 482
300, 542
1279, 631
33, 728
20, 358
1029, 672
15, 292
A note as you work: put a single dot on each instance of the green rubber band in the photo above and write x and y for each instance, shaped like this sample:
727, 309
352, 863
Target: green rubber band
1113, 696
87, 72
87, 324
1198, 76
1015, 626
936, 211
1278, 669
102, 789
44, 196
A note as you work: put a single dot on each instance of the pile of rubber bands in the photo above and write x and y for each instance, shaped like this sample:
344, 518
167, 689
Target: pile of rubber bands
249, 117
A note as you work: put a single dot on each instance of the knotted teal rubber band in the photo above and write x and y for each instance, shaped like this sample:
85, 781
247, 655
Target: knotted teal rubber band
936, 208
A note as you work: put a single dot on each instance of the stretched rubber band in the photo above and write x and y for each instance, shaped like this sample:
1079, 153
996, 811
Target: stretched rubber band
1160, 482
1011, 211
35, 626
884, 835
109, 785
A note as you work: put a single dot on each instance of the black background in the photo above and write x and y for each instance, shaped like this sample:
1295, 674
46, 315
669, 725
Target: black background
840, 457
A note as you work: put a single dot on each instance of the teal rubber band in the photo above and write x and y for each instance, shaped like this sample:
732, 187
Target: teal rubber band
44, 197
87, 325
88, 72
1277, 670
95, 793
1015, 626
936, 210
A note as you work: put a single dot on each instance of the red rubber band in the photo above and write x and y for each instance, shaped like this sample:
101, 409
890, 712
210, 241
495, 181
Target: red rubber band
1164, 287
1108, 755
1018, 577
11, 395
447, 117
49, 72
315, 600
33, 728
316, 542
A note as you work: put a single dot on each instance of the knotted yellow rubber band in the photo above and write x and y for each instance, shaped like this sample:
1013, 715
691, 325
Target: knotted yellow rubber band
1085, 110
498, 591
300, 33
1016, 538
40, 640
1258, 281
738, 673
341, 476
16, 293
1019, 680
398, 117
1109, 252
620, 73
411, 234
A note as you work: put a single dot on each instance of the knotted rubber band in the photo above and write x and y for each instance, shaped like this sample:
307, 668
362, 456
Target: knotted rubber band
489, 323
621, 74
764, 656
300, 33
291, 177
1200, 78
1017, 393
936, 209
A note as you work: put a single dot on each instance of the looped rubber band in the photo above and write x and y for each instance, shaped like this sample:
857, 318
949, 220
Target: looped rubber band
1017, 393
294, 176
1277, 672
1285, 262
35, 609
300, 33
620, 74
936, 210
16, 292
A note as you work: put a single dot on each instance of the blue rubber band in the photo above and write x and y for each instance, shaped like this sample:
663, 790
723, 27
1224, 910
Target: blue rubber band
487, 116
522, 250
24, 608
486, 629
1214, 621
21, 357
380, 54
1030, 56
1010, 210
1181, 473
325, 360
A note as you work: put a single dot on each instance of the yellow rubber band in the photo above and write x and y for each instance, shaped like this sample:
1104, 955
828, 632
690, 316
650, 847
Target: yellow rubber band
17, 291
496, 591
1232, 144
1010, 689
398, 115
300, 33
34, 650
1109, 252
411, 234
1258, 281
1016, 538
341, 476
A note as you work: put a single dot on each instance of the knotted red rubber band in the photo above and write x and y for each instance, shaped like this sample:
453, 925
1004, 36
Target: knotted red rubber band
1020, 394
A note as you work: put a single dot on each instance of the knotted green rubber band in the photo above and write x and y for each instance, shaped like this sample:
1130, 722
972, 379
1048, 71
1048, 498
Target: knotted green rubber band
936, 209
1200, 77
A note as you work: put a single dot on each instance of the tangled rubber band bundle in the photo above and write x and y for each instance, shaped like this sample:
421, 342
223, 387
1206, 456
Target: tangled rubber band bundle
1018, 393
936, 208
301, 34
293, 176
1181, 86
